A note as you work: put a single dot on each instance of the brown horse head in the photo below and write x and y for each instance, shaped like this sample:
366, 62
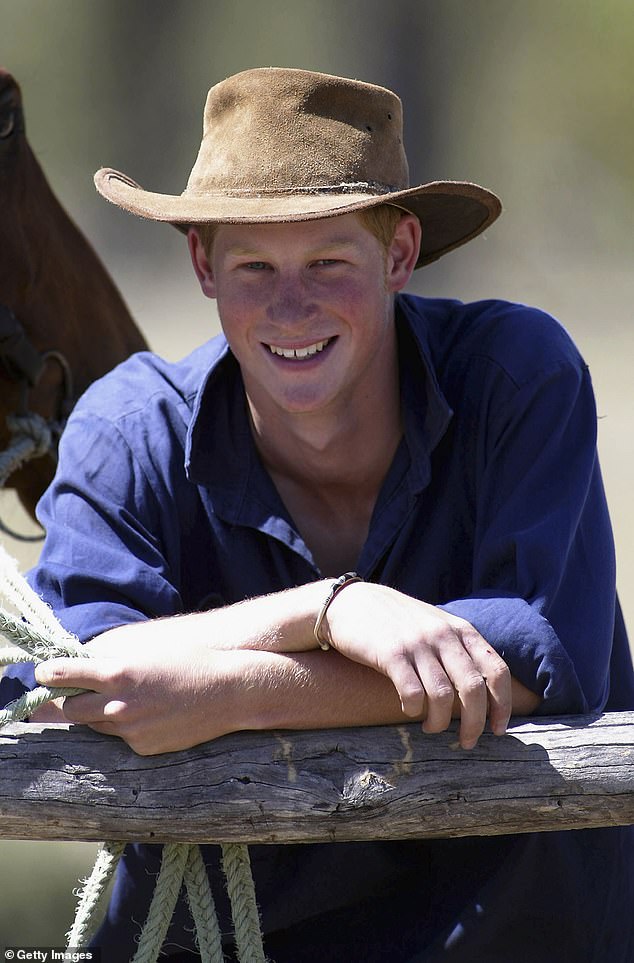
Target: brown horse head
59, 309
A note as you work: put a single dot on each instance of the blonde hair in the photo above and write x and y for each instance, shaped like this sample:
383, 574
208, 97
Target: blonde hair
207, 233
380, 221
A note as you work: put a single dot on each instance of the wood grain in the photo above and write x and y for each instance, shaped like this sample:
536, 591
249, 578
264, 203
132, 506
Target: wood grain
389, 782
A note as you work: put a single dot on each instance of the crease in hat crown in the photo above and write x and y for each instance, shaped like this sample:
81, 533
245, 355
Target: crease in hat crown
274, 130
283, 144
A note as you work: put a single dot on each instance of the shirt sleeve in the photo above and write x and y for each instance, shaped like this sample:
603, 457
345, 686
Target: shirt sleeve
109, 521
113, 517
543, 568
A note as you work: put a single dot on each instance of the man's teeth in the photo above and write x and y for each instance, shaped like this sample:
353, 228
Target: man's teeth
299, 352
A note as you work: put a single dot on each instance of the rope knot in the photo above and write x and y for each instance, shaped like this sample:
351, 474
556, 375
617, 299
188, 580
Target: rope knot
33, 427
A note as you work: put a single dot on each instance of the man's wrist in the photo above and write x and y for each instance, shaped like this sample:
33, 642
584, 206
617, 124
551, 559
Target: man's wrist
322, 636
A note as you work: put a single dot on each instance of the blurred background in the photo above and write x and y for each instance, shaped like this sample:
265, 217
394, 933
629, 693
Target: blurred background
533, 100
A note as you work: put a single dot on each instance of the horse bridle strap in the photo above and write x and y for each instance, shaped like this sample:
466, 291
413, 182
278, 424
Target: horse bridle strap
30, 435
18, 356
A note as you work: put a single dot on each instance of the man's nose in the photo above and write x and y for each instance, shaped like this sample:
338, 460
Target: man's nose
290, 302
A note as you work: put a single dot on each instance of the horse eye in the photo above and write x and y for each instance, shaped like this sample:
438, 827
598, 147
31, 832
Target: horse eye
7, 126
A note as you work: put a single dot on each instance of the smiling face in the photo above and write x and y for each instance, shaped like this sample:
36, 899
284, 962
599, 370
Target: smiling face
307, 309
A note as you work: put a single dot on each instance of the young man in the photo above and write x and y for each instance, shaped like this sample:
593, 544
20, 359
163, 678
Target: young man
442, 456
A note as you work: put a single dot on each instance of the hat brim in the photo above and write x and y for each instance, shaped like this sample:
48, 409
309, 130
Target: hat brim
451, 212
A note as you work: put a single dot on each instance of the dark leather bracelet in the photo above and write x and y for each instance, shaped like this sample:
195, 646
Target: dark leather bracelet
340, 583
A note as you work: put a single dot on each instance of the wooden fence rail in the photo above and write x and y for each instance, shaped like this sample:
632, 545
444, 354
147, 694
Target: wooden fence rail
389, 782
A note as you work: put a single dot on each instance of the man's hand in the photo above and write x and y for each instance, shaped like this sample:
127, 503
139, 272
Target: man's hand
439, 664
172, 683
157, 698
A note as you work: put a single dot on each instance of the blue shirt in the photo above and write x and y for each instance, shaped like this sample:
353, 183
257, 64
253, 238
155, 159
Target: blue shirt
493, 508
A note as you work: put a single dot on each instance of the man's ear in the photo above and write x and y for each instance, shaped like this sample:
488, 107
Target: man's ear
403, 252
200, 262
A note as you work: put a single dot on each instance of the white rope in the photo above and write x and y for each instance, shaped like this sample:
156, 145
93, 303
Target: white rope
182, 863
31, 437
90, 897
203, 909
18, 591
246, 920
38, 644
166, 890
11, 655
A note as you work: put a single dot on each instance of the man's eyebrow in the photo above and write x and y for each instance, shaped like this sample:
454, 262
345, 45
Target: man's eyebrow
240, 250
335, 242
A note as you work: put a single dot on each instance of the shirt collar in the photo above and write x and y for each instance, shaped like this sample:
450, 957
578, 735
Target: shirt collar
426, 412
221, 456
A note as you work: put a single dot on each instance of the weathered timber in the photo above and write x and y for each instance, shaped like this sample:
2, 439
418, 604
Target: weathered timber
389, 782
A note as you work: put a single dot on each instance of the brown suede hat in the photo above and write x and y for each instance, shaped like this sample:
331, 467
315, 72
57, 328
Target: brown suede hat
293, 145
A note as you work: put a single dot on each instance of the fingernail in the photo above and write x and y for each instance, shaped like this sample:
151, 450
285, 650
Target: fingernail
499, 729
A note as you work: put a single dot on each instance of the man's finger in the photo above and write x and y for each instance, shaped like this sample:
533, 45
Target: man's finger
439, 690
497, 676
470, 688
72, 673
86, 708
408, 686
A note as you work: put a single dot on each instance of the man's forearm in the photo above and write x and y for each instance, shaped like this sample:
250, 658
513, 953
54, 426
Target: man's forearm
263, 690
280, 622
171, 683
318, 690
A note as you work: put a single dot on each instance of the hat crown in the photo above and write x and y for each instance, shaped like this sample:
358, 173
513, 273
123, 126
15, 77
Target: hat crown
274, 130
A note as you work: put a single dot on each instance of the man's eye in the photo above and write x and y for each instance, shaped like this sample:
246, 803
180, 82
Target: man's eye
256, 265
325, 261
